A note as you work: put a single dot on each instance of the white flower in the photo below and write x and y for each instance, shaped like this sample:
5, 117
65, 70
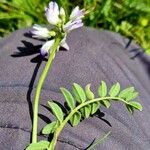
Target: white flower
77, 13
40, 32
64, 44
52, 13
72, 25
61, 28
46, 48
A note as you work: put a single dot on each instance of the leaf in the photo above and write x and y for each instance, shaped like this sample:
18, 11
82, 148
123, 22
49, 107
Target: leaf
124, 94
115, 89
86, 111
50, 128
42, 145
75, 119
105, 103
68, 97
102, 90
94, 107
136, 105
88, 92
57, 111
130, 109
79, 93
132, 96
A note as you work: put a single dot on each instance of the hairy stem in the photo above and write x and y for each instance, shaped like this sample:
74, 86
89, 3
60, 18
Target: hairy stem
39, 87
62, 125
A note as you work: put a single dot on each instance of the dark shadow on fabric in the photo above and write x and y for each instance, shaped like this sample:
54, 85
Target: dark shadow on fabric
27, 50
44, 118
90, 145
144, 59
100, 115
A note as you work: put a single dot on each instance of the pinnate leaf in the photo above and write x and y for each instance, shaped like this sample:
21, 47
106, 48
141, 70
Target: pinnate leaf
75, 119
88, 92
131, 96
102, 90
68, 97
57, 111
86, 111
136, 105
115, 89
105, 103
50, 128
79, 93
124, 94
130, 109
94, 107
42, 145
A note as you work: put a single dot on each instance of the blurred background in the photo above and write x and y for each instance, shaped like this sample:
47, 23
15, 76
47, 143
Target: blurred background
130, 18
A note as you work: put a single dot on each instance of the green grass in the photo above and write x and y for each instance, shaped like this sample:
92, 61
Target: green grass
128, 17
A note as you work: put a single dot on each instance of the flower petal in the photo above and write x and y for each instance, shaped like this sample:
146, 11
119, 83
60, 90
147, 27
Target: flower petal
46, 48
64, 44
52, 13
72, 25
77, 13
40, 32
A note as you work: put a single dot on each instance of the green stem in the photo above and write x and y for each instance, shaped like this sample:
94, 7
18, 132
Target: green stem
62, 125
39, 87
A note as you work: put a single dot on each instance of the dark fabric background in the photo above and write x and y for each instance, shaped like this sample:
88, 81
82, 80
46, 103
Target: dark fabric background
94, 56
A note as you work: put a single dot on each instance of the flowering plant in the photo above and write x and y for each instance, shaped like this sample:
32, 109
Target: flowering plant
81, 102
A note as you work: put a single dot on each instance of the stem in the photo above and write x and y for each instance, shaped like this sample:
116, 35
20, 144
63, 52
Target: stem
59, 129
39, 87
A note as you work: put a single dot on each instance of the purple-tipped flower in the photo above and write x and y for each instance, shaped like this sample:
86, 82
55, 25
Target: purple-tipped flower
46, 48
52, 13
40, 32
57, 18
77, 13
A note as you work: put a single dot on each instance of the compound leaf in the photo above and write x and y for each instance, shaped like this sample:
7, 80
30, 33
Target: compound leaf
115, 89
131, 96
102, 90
57, 111
136, 105
105, 103
42, 145
75, 119
79, 93
94, 107
88, 92
124, 94
50, 128
68, 97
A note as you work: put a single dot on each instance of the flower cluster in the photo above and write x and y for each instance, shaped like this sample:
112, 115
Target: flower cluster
60, 26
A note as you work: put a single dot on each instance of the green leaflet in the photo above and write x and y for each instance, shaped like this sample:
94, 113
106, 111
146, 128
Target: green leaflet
130, 109
50, 128
75, 119
86, 111
79, 93
131, 96
115, 89
136, 105
102, 90
68, 97
88, 92
94, 107
106, 103
42, 145
57, 111
124, 94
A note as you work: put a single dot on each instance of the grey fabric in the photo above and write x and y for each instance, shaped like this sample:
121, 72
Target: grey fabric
94, 56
